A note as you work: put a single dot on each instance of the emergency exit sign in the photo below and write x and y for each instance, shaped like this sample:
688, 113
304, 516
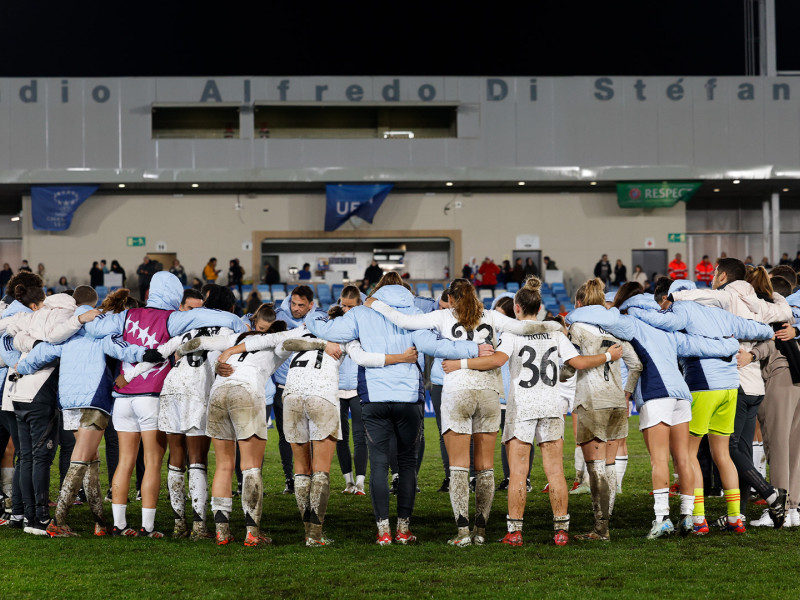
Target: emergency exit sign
140, 241
676, 238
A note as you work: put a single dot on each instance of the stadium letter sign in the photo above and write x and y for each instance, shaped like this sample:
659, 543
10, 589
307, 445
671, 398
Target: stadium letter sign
655, 195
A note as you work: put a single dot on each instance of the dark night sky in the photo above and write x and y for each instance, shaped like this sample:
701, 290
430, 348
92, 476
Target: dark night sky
174, 38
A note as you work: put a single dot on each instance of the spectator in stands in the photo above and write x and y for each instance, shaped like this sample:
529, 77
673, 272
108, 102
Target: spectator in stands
103, 266
602, 270
116, 268
365, 286
178, 270
505, 273
210, 271
253, 302
95, 275
197, 284
549, 264
271, 275
518, 274
25, 266
235, 277
531, 270
62, 285
145, 272
704, 271
373, 273
785, 259
5, 274
639, 276
41, 272
796, 262
620, 273
765, 263
466, 272
677, 268
304, 274
489, 272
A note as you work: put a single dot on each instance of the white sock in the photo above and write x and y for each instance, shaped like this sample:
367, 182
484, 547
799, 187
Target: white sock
661, 503
348, 478
120, 520
223, 506
148, 518
687, 504
198, 490
6, 480
383, 527
611, 477
176, 483
580, 463
759, 458
360, 480
621, 465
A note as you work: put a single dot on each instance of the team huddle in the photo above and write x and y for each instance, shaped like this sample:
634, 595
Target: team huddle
183, 371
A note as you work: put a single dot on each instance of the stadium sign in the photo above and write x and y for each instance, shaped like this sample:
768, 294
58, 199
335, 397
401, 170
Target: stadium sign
655, 195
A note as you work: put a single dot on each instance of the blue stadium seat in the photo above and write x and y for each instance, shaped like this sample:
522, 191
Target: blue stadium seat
512, 286
487, 303
437, 289
336, 290
277, 287
422, 286
263, 289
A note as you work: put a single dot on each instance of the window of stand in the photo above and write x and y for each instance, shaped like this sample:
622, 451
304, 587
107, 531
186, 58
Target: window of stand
195, 122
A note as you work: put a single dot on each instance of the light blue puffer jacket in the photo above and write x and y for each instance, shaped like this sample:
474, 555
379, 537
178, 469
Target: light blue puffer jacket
84, 379
393, 383
10, 354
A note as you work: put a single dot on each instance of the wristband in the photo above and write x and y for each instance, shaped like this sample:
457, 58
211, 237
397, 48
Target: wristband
464, 363
608, 357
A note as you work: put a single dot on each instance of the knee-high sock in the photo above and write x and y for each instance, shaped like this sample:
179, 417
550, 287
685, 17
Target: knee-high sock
598, 484
198, 490
580, 463
7, 481
252, 498
176, 479
222, 508
94, 495
611, 477
318, 498
302, 493
759, 458
621, 464
69, 490
484, 495
459, 497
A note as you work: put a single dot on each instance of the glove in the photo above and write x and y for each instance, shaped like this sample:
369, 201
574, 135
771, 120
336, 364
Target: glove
152, 355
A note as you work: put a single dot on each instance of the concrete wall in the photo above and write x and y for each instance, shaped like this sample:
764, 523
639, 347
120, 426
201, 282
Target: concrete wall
574, 229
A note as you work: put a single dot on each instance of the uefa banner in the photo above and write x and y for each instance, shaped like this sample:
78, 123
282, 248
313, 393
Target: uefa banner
53, 206
345, 200
661, 194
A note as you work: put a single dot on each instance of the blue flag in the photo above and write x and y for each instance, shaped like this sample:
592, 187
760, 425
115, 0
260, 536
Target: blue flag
345, 200
53, 207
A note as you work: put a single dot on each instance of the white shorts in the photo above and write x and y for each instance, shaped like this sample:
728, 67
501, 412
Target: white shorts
671, 411
310, 418
71, 418
534, 431
471, 411
182, 414
135, 413
235, 413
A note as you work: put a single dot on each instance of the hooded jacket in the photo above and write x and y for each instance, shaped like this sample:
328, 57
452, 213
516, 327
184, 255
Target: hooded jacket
55, 322
658, 350
9, 354
394, 383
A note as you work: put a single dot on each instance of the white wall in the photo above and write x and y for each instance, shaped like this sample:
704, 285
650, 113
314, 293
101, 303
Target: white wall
575, 229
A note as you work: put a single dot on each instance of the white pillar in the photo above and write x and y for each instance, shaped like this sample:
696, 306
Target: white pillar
767, 52
776, 227
690, 261
765, 217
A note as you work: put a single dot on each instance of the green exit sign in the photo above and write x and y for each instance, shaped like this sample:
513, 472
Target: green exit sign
676, 238
140, 241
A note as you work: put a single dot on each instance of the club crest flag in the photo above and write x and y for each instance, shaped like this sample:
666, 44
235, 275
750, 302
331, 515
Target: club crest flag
345, 200
53, 207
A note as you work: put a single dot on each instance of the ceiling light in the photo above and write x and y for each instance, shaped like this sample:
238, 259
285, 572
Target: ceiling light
121, 185
15, 218
736, 182
449, 184
520, 183
195, 185
716, 189
592, 183
785, 189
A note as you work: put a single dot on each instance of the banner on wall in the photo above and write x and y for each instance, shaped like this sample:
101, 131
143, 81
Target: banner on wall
661, 194
52, 207
345, 200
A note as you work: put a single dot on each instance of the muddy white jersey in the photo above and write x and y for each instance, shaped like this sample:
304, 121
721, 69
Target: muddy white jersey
192, 374
534, 367
315, 373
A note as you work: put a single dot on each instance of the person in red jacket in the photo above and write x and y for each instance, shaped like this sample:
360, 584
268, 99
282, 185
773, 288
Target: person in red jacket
488, 272
677, 268
704, 271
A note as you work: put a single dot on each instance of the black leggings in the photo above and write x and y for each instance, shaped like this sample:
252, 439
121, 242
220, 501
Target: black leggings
347, 407
741, 448
284, 448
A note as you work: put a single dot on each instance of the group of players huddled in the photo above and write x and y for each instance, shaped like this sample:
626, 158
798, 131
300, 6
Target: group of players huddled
183, 371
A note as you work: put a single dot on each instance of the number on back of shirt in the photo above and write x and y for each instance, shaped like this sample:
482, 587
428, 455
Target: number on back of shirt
544, 370
299, 362
484, 331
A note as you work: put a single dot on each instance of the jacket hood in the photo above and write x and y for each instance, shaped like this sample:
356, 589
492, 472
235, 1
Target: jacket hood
15, 307
794, 299
395, 295
609, 297
641, 301
60, 301
166, 291
741, 288
682, 284
594, 314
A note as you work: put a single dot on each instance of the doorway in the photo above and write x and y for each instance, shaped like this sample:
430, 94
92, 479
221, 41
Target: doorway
536, 255
653, 262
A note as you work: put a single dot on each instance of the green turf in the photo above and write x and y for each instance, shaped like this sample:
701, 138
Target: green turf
760, 564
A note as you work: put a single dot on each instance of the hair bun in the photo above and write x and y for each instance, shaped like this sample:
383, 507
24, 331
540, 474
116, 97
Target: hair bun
533, 283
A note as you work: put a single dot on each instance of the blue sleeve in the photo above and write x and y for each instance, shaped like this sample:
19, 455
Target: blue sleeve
668, 320
703, 347
749, 329
340, 330
106, 324
118, 348
181, 322
431, 344
41, 356
10, 354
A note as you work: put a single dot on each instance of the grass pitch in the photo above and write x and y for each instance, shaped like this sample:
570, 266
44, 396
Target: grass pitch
759, 564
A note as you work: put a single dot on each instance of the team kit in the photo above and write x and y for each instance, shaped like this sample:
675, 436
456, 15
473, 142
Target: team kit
180, 371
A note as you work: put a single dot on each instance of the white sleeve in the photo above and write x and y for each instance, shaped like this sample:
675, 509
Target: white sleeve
566, 350
503, 323
363, 358
267, 341
138, 369
431, 320
214, 342
169, 347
